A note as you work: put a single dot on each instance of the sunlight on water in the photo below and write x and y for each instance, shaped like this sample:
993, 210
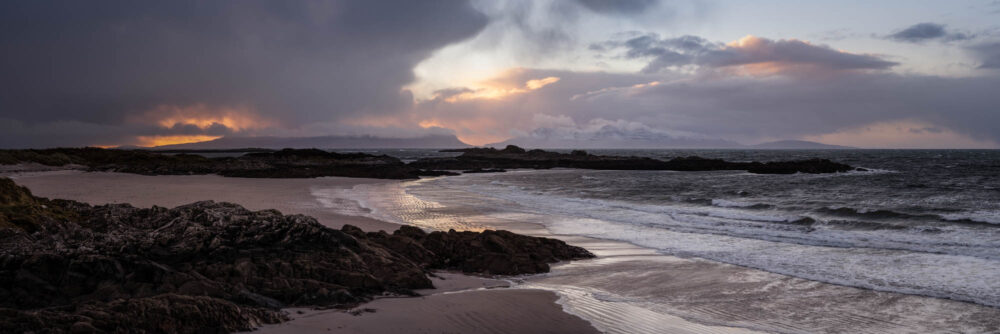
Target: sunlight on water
391, 202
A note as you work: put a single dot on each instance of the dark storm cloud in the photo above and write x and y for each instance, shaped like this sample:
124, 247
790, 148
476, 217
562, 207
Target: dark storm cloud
988, 55
618, 6
97, 62
693, 50
926, 31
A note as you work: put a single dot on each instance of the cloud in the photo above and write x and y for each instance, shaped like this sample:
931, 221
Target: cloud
901, 134
745, 109
988, 55
618, 6
926, 31
495, 89
563, 132
754, 54
101, 62
201, 116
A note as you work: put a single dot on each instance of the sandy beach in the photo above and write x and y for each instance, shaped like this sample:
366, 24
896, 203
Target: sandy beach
459, 304
290, 196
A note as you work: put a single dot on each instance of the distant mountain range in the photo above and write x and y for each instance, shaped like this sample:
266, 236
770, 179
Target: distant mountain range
798, 145
323, 142
609, 139
612, 137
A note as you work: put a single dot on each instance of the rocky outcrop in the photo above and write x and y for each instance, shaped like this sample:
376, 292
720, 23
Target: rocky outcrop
486, 252
217, 267
516, 157
287, 163
308, 163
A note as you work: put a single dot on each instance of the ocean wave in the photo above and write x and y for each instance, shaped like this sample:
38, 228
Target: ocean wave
942, 261
737, 204
883, 250
987, 217
771, 225
873, 213
937, 275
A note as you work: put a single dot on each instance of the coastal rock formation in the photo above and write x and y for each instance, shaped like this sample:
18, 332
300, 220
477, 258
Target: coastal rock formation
516, 157
308, 163
489, 252
216, 267
287, 163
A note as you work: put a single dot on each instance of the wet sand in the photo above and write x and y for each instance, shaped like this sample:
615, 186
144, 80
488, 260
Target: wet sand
460, 304
290, 196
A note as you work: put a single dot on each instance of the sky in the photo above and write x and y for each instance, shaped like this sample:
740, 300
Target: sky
874, 74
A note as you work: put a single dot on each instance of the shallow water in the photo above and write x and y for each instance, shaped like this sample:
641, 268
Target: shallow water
920, 223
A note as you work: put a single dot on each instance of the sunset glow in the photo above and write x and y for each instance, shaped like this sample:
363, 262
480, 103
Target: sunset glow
204, 117
153, 141
496, 93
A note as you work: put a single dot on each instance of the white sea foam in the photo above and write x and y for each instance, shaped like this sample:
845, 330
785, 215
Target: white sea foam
610, 313
955, 262
731, 204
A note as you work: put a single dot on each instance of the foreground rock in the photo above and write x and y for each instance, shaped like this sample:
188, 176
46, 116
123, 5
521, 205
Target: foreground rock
516, 157
217, 267
287, 163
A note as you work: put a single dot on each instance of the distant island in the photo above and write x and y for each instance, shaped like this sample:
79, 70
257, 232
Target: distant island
610, 137
798, 145
606, 140
613, 139
326, 142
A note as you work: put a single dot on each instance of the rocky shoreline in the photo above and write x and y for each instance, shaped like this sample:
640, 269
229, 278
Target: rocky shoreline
287, 163
516, 157
309, 163
66, 266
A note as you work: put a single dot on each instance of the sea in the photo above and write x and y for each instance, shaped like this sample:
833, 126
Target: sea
911, 244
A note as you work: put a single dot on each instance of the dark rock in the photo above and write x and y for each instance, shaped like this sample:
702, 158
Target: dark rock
476, 159
217, 267
512, 149
423, 172
497, 252
287, 163
480, 170
166, 313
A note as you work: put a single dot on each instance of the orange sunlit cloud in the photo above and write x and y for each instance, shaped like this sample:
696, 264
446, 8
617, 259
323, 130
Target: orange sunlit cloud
203, 117
151, 141
493, 91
